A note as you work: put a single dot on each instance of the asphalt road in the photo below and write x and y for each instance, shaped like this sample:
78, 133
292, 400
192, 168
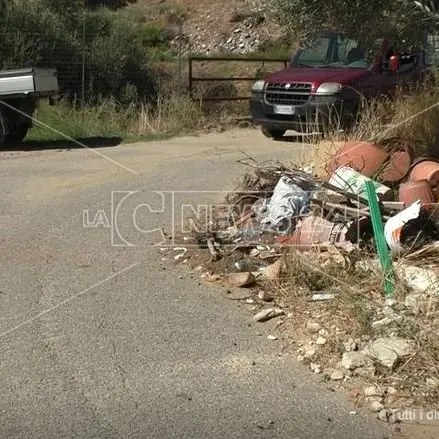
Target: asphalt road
101, 338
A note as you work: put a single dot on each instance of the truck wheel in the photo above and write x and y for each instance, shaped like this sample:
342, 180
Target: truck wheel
18, 135
3, 136
273, 134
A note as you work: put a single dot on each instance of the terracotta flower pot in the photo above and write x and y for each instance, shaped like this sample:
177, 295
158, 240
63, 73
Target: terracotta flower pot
365, 157
427, 170
412, 191
398, 166
315, 231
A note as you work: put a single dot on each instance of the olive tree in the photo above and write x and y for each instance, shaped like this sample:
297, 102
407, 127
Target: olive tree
304, 17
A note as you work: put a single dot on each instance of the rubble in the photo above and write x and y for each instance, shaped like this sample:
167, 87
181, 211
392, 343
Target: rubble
268, 314
240, 279
333, 246
265, 296
355, 359
388, 351
350, 345
226, 31
376, 406
337, 375
372, 391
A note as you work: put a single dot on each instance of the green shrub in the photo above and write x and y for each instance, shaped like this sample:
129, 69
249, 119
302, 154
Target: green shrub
100, 50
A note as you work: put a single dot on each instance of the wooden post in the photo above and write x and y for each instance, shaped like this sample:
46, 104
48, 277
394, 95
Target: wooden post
190, 76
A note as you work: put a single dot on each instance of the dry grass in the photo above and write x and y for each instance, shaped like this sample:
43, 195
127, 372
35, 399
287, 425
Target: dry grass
358, 303
173, 114
412, 117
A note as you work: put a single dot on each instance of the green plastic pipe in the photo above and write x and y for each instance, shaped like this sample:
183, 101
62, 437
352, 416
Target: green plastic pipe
380, 239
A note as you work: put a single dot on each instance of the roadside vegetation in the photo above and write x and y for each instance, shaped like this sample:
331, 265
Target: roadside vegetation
119, 73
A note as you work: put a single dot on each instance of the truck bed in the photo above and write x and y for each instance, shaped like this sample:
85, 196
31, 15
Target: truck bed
22, 82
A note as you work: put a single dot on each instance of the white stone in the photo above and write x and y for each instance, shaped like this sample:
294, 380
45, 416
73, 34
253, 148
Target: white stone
383, 415
376, 406
365, 372
337, 375
315, 368
265, 296
320, 341
350, 345
386, 321
267, 314
372, 391
419, 279
391, 390
309, 353
413, 302
353, 360
432, 383
388, 350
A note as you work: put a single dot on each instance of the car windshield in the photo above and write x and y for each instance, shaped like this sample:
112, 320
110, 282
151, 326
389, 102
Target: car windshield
336, 51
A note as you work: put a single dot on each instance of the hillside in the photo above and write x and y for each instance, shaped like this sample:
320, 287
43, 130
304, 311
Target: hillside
211, 27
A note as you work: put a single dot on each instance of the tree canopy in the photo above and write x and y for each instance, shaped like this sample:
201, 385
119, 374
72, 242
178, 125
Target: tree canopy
305, 17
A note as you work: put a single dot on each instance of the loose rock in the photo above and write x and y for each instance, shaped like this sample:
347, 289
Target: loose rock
413, 303
391, 390
265, 296
315, 368
273, 271
365, 372
353, 360
337, 375
388, 351
376, 406
240, 279
320, 341
268, 314
350, 345
372, 391
432, 383
309, 353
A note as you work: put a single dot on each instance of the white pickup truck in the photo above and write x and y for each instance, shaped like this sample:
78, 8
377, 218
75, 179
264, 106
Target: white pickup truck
19, 92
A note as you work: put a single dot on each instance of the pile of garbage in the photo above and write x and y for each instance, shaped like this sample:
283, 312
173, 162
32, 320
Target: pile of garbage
320, 244
289, 207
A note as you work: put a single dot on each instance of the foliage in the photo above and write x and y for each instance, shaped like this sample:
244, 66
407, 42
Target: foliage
354, 17
100, 51
113, 4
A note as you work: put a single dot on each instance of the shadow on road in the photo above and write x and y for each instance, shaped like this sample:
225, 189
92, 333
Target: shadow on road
91, 142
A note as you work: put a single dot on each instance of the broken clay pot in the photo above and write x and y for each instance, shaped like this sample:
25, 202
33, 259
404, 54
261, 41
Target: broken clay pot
240, 279
398, 165
365, 157
427, 170
413, 191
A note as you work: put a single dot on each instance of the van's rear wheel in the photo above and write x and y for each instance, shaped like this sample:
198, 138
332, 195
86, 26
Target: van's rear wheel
18, 135
273, 134
3, 136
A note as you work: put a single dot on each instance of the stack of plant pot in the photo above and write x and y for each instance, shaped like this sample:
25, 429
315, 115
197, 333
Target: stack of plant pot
396, 173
